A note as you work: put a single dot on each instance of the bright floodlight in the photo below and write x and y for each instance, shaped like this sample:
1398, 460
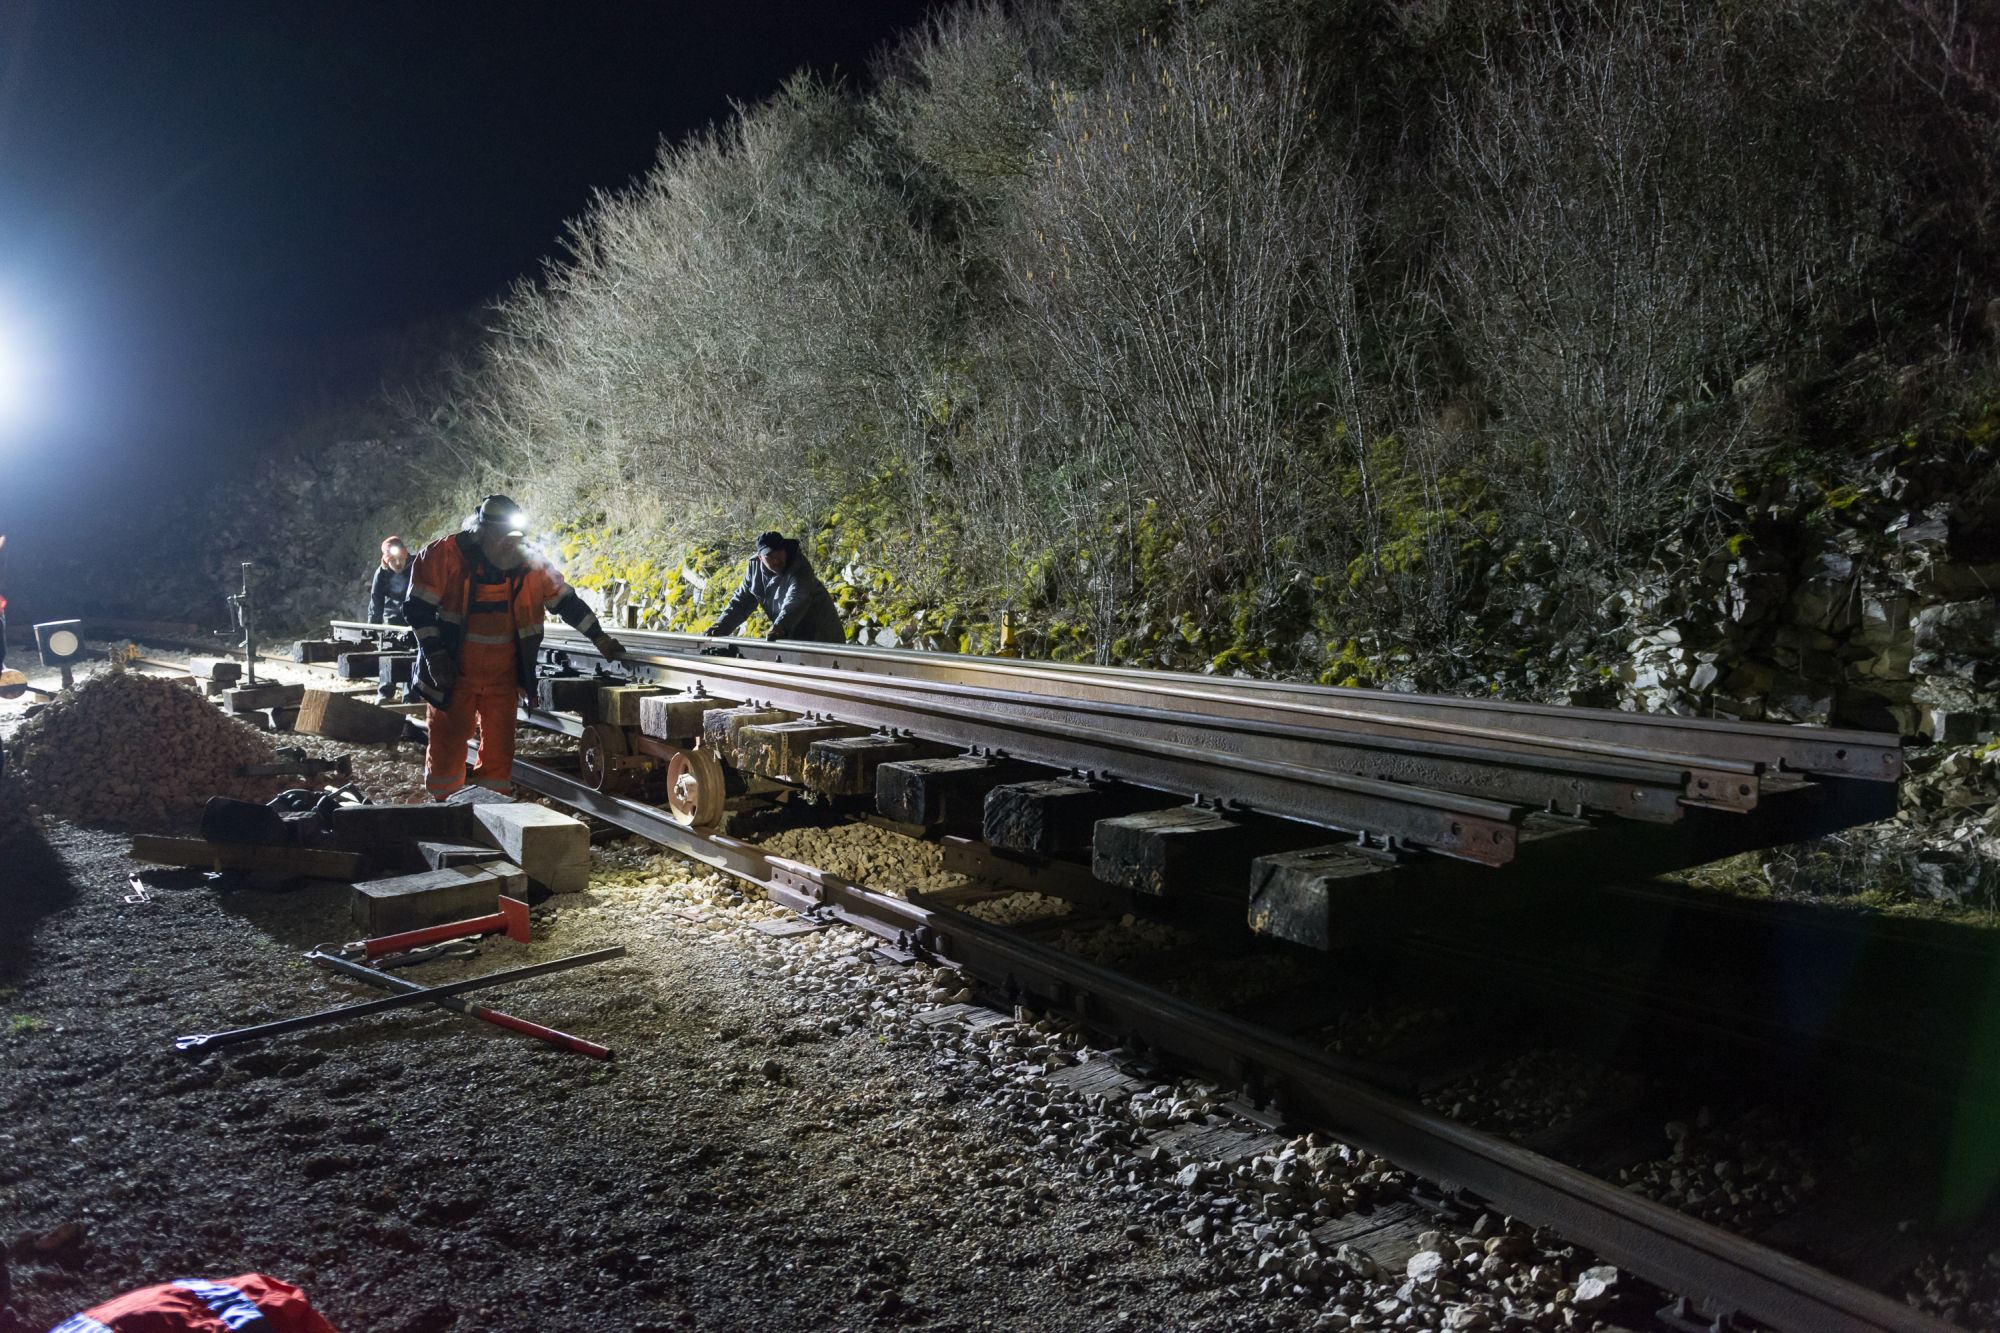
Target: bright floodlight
13, 377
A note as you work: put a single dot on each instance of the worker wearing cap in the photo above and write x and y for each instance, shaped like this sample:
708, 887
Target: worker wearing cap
780, 581
477, 603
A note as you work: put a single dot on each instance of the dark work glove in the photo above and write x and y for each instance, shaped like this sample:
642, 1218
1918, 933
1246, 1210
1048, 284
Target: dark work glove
712, 632
613, 650
443, 671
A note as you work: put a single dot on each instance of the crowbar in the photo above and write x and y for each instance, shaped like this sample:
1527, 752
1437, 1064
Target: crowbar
412, 991
205, 1041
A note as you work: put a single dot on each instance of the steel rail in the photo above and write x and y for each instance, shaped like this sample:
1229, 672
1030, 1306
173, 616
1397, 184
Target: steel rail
1452, 825
1548, 777
1708, 779
1875, 756
1680, 1253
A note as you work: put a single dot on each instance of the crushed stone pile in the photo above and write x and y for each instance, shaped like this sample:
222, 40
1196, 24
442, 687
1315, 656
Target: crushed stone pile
871, 857
136, 752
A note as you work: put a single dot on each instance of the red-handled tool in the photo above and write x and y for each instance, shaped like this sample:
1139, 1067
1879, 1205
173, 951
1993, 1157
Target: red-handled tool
511, 920
388, 982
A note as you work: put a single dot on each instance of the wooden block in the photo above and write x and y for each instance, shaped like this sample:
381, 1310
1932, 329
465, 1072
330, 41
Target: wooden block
619, 704
342, 717
1186, 850
778, 750
1057, 816
315, 650
846, 767
569, 694
256, 698
941, 793
442, 855
216, 668
365, 826
719, 727
676, 717
1325, 897
407, 902
395, 669
285, 717
309, 862
358, 665
552, 848
478, 796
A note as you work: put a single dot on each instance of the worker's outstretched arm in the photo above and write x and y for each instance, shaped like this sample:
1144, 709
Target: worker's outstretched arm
740, 606
573, 609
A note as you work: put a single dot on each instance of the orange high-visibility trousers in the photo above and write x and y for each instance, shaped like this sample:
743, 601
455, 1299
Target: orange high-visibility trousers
486, 708
483, 698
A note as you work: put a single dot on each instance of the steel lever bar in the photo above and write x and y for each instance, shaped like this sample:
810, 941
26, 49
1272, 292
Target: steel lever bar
206, 1041
411, 990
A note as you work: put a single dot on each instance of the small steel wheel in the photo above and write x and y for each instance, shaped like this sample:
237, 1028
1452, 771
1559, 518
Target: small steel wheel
602, 746
696, 789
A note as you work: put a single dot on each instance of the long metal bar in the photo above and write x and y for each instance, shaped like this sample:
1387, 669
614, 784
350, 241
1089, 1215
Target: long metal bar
471, 1009
1834, 752
1461, 826
1678, 1252
1536, 776
1210, 708
210, 1040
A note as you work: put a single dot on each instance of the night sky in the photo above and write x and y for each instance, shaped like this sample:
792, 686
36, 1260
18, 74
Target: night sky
214, 214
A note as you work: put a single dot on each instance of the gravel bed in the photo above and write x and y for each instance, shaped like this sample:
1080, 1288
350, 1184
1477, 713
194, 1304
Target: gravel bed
1015, 909
1738, 1176
1183, 962
1377, 1029
1531, 1092
783, 1143
1960, 1285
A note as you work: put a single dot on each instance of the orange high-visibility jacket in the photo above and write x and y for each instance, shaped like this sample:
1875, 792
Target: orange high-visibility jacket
252, 1303
441, 591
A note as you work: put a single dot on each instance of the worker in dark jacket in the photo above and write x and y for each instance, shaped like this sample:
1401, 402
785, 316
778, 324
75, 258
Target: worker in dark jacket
780, 581
391, 587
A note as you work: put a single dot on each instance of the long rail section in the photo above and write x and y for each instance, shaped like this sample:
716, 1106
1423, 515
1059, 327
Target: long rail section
1417, 776
1726, 1273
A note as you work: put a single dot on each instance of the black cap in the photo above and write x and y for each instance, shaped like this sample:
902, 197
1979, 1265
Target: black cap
773, 541
500, 510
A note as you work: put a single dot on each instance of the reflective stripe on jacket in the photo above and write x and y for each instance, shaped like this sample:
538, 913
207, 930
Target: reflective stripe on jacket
441, 584
251, 1303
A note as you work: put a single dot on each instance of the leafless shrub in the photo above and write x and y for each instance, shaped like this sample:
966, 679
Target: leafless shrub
1640, 205
1161, 261
750, 331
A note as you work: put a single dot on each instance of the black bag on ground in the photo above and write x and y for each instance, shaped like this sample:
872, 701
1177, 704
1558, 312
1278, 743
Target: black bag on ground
245, 822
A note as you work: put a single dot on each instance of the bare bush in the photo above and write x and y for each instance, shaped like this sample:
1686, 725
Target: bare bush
751, 331
1162, 259
1641, 205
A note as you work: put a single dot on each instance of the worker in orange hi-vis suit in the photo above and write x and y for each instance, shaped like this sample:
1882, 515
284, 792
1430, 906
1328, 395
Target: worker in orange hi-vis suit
251, 1303
477, 602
